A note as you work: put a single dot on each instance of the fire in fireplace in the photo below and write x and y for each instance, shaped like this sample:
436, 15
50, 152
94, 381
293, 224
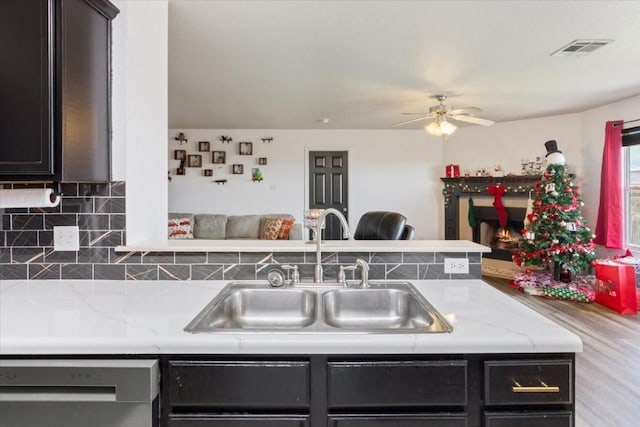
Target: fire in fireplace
487, 232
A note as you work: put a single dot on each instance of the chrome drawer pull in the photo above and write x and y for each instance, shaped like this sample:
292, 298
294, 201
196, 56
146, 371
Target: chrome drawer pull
542, 388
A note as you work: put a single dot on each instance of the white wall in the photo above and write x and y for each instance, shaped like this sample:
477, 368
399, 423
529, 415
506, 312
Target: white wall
140, 115
396, 170
580, 137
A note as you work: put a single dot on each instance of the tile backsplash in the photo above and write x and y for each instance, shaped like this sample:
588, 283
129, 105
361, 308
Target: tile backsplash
26, 248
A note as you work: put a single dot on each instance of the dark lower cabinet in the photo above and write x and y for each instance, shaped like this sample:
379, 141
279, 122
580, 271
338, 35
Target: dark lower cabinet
239, 421
529, 419
385, 420
368, 391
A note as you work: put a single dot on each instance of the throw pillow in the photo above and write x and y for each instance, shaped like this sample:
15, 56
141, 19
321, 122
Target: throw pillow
285, 228
180, 228
271, 228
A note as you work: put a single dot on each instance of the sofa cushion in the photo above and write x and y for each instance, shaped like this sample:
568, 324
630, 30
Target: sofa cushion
180, 228
210, 226
264, 217
271, 228
285, 228
243, 227
177, 215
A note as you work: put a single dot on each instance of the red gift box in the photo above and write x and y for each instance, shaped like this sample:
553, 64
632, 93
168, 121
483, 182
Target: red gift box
452, 171
615, 286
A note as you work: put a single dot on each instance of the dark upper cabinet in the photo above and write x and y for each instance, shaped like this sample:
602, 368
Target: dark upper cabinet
55, 90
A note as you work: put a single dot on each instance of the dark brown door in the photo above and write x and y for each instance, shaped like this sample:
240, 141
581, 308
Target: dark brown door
328, 179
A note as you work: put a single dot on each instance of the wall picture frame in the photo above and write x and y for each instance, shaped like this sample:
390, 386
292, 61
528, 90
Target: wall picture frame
203, 146
262, 161
245, 148
237, 169
194, 161
207, 172
219, 157
179, 154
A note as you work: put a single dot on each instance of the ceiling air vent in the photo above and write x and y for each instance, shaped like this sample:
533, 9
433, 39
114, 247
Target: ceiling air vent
580, 47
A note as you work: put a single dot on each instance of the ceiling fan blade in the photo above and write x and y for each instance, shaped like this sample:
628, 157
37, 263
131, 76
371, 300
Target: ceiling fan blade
414, 114
411, 121
466, 110
474, 120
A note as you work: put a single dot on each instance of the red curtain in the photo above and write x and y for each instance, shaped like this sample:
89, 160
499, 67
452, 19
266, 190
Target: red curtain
610, 225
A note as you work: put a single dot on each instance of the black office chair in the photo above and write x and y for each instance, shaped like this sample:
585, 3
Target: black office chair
381, 225
409, 233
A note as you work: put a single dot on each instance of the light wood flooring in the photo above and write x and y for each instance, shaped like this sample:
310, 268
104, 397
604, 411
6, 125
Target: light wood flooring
608, 369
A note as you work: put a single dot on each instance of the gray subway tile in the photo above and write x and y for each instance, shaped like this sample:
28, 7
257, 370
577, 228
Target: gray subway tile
158, 258
207, 271
124, 257
100, 238
351, 257
117, 221
256, 257
77, 205
288, 257
432, 272
93, 222
93, 256
57, 220
239, 272
64, 257
69, 189
16, 210
26, 255
76, 272
326, 257
6, 222
44, 271
474, 257
402, 272
385, 258
190, 257
45, 238
223, 257
440, 256
377, 272
5, 251
14, 271
174, 272
110, 205
118, 188
27, 222
142, 272
109, 271
93, 189
418, 257
22, 238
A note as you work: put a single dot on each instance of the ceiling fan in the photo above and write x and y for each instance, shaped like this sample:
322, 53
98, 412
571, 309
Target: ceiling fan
441, 126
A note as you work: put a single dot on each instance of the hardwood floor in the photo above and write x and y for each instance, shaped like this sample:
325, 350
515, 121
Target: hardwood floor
608, 369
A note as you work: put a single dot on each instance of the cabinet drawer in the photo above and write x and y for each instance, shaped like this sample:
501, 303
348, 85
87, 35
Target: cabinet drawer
417, 420
239, 384
397, 384
529, 419
528, 382
226, 420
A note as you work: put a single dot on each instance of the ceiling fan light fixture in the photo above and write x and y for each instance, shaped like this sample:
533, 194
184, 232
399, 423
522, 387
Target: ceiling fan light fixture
440, 127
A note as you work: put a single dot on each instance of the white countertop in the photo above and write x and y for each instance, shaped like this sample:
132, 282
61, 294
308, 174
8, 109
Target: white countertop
132, 317
203, 245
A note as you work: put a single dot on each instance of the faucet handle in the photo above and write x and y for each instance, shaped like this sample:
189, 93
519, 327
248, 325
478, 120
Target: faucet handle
295, 275
342, 277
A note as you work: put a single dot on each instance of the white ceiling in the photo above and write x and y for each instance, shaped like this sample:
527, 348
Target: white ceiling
288, 64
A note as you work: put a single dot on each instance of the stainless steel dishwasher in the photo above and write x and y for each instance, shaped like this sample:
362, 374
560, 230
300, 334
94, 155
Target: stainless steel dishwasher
79, 393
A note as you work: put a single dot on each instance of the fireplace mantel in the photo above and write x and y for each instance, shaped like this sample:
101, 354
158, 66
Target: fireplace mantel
516, 185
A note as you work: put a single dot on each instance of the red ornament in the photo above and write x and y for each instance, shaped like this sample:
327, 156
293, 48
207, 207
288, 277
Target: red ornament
538, 203
569, 190
528, 271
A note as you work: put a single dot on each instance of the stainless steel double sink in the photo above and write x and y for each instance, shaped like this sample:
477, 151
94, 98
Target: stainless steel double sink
384, 307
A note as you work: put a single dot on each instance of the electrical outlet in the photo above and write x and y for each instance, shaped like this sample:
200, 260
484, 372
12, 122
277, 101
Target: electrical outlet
66, 238
456, 266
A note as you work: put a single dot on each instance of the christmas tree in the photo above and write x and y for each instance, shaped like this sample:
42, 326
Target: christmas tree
555, 232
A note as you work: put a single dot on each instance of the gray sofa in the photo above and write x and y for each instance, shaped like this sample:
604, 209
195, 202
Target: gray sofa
219, 227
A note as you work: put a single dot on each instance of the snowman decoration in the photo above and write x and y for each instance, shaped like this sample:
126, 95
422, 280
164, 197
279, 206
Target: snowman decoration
554, 156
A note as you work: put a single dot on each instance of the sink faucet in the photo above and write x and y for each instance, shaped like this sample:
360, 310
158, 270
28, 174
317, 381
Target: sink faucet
320, 222
365, 272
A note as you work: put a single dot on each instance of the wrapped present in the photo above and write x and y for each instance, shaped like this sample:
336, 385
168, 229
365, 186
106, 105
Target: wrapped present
615, 286
452, 171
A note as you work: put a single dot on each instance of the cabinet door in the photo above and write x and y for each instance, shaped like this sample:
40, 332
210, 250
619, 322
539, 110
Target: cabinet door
245, 385
386, 384
529, 419
26, 67
417, 420
227, 420
85, 69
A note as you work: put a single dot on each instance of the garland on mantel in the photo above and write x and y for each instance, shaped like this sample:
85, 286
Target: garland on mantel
466, 187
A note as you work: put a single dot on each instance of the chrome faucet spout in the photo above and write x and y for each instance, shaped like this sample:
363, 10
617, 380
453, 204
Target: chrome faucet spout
345, 233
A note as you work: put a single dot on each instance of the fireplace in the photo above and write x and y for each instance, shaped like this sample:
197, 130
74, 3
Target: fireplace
488, 232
